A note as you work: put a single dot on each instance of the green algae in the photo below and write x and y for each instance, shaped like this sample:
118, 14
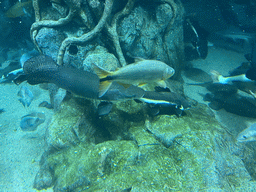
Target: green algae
62, 132
198, 157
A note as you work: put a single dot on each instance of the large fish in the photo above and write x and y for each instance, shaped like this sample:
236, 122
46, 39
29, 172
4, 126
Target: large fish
139, 73
42, 69
235, 103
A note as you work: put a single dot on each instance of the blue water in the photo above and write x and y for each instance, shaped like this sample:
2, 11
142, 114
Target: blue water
56, 140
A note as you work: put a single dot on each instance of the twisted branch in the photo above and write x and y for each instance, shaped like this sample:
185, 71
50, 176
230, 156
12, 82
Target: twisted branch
113, 32
87, 36
49, 23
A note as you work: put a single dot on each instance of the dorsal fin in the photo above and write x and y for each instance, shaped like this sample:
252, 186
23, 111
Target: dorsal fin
138, 59
102, 73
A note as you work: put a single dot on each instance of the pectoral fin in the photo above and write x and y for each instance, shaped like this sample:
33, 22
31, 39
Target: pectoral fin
141, 84
161, 84
103, 88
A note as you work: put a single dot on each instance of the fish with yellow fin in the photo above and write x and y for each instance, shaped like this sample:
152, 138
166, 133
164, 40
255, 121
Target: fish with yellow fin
139, 73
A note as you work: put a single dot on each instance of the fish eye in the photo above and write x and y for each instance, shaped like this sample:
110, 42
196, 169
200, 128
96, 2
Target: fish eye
244, 137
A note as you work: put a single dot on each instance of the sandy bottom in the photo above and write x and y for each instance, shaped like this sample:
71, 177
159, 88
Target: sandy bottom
21, 151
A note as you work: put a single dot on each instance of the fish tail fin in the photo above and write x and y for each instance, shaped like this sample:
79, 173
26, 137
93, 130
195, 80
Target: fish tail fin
215, 75
102, 73
104, 86
218, 78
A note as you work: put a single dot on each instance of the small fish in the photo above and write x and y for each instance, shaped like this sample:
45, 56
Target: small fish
31, 121
165, 99
17, 10
104, 108
139, 73
46, 105
222, 89
248, 134
26, 96
217, 77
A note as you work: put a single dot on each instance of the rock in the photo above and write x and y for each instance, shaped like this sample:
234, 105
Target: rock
118, 121
79, 166
198, 146
64, 129
193, 152
49, 41
43, 179
140, 33
45, 176
102, 58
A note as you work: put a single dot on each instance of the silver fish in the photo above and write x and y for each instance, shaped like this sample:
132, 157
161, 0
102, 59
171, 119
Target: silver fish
247, 135
26, 96
31, 121
139, 73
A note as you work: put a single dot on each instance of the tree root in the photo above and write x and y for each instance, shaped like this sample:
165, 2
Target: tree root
49, 23
36, 8
113, 32
75, 9
84, 38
